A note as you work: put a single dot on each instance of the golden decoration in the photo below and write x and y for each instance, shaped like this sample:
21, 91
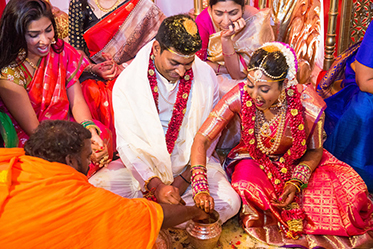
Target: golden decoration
251, 131
129, 7
4, 176
252, 141
185, 95
109, 9
151, 72
289, 153
294, 112
284, 170
269, 175
155, 89
282, 160
184, 110
261, 166
301, 127
249, 103
295, 225
190, 27
304, 142
253, 118
290, 92
277, 181
186, 77
152, 57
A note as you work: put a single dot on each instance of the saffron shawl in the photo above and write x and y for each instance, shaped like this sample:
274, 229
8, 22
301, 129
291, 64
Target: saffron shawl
51, 205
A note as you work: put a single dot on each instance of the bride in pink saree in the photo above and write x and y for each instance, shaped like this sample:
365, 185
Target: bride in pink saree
294, 192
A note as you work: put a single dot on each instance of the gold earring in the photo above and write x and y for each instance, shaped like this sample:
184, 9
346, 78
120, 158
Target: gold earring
281, 98
53, 41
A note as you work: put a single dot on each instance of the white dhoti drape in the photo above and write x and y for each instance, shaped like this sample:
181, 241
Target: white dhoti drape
141, 135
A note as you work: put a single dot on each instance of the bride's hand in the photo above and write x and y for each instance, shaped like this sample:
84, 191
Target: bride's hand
286, 198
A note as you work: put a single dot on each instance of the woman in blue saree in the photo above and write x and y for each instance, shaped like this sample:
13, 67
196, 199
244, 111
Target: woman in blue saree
349, 112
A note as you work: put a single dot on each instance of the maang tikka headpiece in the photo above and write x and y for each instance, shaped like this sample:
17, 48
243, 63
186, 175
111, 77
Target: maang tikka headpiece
259, 73
291, 61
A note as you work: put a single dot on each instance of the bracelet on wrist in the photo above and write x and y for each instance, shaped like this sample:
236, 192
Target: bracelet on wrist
184, 179
88, 124
229, 55
294, 184
147, 182
90, 70
198, 166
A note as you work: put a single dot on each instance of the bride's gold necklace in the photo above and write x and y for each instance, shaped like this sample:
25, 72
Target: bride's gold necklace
107, 10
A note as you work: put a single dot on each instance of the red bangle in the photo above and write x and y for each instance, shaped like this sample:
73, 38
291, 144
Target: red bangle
218, 68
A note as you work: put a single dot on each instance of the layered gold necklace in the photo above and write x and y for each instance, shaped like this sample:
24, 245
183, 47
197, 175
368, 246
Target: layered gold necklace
109, 9
263, 130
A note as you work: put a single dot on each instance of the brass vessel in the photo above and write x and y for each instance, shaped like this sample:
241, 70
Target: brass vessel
204, 234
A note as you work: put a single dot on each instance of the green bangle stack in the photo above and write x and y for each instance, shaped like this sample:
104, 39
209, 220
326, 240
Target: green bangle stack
88, 124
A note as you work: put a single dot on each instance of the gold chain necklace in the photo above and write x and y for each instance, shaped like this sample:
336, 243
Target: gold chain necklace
259, 132
107, 10
31, 64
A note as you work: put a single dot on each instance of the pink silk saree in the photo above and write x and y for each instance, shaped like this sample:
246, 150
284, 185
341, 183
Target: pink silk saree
336, 200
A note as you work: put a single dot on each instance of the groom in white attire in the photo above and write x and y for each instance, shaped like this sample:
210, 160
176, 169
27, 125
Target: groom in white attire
160, 101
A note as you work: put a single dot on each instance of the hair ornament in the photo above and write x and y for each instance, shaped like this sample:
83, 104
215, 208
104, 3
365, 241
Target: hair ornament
290, 56
259, 73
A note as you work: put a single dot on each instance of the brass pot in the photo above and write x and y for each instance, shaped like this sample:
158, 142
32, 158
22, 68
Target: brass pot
204, 234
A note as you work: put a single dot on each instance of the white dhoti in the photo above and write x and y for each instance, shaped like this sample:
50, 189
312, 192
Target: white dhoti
119, 180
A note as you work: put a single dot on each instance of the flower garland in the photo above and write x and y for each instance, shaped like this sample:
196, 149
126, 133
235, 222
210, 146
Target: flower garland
180, 104
278, 175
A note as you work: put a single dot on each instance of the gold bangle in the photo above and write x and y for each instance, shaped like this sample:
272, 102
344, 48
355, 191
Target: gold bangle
292, 183
147, 182
95, 127
206, 192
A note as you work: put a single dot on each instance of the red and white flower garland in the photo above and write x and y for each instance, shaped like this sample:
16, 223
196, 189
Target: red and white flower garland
278, 175
178, 113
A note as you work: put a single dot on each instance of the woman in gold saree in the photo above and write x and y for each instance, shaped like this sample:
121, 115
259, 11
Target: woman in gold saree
231, 31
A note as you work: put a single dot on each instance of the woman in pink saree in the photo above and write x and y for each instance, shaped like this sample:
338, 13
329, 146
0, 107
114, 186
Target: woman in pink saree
292, 189
39, 74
